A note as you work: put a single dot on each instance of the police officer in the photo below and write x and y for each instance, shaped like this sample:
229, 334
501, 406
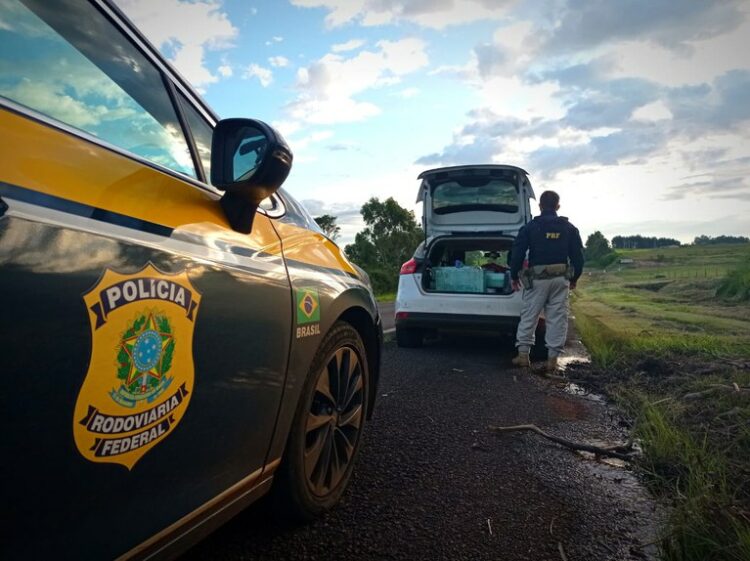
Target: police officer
555, 264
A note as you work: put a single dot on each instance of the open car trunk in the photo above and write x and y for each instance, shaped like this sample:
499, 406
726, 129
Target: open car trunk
474, 198
467, 265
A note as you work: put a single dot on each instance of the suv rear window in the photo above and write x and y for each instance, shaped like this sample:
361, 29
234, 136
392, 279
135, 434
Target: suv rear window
475, 193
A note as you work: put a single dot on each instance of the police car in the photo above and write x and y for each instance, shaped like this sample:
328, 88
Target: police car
459, 276
178, 336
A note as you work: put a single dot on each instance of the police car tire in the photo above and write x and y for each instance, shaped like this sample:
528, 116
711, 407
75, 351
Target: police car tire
293, 500
409, 338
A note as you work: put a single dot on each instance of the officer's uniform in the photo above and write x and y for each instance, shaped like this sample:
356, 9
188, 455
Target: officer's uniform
552, 243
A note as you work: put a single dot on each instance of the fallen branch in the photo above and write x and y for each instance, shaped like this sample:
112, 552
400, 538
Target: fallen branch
612, 452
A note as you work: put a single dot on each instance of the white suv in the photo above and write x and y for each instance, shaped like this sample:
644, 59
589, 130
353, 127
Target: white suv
459, 276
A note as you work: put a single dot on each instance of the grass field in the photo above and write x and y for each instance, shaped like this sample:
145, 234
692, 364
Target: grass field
669, 335
666, 301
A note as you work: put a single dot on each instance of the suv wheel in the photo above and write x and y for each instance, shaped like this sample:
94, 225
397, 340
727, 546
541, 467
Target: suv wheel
409, 337
327, 428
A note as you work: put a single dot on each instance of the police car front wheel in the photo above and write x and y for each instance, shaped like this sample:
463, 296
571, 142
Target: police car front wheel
327, 427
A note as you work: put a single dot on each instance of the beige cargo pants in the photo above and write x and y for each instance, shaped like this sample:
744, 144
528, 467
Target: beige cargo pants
550, 296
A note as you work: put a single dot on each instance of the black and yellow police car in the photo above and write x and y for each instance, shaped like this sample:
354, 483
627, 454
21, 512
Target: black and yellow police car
177, 335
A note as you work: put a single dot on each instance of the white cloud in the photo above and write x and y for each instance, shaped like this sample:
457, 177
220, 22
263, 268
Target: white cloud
654, 111
302, 147
225, 71
274, 39
331, 110
264, 75
705, 59
287, 127
436, 14
318, 136
278, 61
408, 93
513, 96
582, 25
330, 84
350, 45
190, 28
509, 55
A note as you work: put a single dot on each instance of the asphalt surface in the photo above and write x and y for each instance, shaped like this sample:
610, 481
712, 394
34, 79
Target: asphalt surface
432, 483
387, 311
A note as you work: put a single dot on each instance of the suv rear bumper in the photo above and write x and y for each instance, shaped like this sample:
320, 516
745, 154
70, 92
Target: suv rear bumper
456, 321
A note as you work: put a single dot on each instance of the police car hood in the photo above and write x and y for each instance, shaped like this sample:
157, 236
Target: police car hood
477, 198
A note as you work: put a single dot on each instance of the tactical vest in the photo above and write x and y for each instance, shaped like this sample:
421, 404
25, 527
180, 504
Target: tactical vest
549, 238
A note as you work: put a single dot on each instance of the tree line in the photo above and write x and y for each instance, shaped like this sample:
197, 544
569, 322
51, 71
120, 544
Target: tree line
651, 242
642, 242
708, 240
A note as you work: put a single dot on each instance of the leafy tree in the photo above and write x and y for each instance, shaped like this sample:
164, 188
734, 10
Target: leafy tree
328, 224
389, 239
597, 246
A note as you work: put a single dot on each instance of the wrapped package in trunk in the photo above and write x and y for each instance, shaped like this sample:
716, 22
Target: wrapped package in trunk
459, 279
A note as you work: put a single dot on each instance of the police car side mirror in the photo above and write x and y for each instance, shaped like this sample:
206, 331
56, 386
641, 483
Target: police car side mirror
249, 161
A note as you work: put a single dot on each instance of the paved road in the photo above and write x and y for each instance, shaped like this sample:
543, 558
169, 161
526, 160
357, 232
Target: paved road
387, 309
432, 483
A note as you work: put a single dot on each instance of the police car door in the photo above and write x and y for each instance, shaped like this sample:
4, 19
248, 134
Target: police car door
145, 343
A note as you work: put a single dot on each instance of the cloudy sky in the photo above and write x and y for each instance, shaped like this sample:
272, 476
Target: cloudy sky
636, 111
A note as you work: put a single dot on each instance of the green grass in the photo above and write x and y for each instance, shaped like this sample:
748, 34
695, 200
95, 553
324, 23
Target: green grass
688, 308
602, 343
736, 284
707, 521
386, 297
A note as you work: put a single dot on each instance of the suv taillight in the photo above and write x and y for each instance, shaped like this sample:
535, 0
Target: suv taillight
409, 268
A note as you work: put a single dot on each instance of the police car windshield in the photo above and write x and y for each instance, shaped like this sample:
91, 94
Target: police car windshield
475, 193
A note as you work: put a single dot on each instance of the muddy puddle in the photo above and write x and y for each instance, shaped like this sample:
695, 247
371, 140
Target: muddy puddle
574, 389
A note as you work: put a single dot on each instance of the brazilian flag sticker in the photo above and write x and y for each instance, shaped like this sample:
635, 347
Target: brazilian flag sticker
308, 306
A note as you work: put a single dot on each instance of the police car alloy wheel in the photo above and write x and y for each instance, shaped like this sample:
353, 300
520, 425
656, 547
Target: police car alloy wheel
327, 427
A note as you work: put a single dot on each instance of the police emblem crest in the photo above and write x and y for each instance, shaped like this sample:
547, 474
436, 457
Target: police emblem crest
141, 373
